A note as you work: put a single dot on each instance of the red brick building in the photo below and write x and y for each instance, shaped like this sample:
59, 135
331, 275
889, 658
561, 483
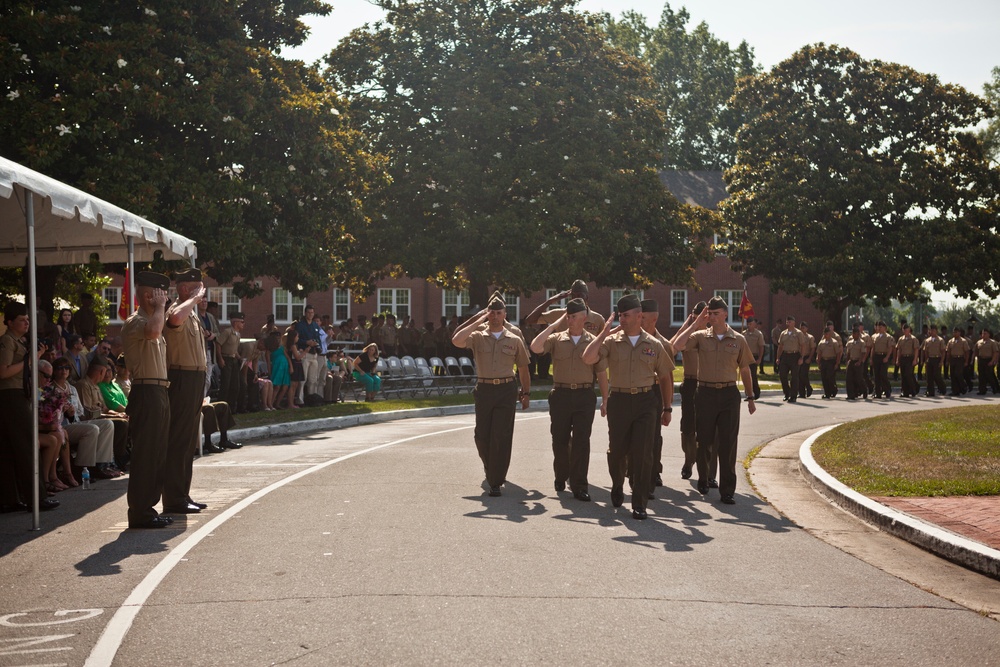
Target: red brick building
425, 302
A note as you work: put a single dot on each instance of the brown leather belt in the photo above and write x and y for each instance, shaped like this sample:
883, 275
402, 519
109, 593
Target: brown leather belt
716, 385
177, 367
630, 390
494, 380
581, 385
156, 381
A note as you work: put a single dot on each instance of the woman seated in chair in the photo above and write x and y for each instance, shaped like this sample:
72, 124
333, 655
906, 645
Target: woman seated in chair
364, 371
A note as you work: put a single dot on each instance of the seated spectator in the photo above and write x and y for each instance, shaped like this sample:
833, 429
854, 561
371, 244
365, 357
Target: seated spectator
216, 416
94, 407
122, 378
112, 394
53, 442
77, 356
364, 371
103, 349
94, 440
336, 371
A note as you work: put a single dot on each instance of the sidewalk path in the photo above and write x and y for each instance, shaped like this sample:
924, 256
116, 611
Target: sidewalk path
975, 517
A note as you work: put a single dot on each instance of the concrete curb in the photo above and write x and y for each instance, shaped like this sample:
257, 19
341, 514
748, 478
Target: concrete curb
946, 544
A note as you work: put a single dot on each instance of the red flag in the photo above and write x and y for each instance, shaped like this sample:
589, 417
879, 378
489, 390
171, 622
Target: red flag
123, 304
746, 308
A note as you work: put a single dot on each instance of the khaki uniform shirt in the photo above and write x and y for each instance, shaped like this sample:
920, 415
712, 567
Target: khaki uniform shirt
933, 347
90, 396
792, 341
593, 324
567, 358
389, 334
12, 351
828, 348
185, 343
229, 342
809, 347
146, 359
958, 347
690, 362
907, 346
496, 357
668, 347
883, 344
985, 349
755, 339
855, 349
634, 367
720, 360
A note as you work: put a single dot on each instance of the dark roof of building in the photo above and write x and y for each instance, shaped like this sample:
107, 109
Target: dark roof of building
698, 188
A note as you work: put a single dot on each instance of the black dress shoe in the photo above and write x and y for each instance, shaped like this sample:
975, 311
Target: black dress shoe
712, 484
650, 495
582, 495
47, 504
183, 509
155, 522
617, 496
703, 488
728, 500
200, 506
639, 514
658, 481
686, 472
495, 491
560, 486
229, 444
210, 448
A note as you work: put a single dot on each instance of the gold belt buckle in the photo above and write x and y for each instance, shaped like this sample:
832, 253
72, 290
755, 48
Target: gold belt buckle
633, 390
496, 380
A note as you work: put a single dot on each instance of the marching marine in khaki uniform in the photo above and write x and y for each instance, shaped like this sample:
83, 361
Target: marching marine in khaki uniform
148, 403
635, 361
829, 352
791, 343
755, 339
958, 357
572, 401
883, 351
988, 353
933, 351
186, 367
907, 353
232, 364
496, 351
579, 290
722, 355
808, 354
856, 352
689, 387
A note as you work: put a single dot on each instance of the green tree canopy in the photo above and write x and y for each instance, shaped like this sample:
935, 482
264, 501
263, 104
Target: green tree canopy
183, 111
861, 179
991, 135
696, 75
523, 148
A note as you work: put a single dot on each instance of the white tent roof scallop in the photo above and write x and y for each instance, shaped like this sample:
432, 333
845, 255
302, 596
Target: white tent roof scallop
60, 238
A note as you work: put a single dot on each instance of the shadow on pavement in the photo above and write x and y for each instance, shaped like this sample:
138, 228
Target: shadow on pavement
106, 562
516, 504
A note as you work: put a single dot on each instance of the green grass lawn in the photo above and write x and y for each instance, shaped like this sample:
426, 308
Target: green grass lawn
950, 452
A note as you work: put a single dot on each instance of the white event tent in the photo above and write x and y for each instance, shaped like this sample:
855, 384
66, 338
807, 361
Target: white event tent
45, 221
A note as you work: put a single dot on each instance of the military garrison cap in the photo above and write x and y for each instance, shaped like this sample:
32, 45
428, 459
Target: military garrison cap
151, 279
628, 302
717, 303
700, 306
191, 275
650, 306
575, 306
579, 287
496, 302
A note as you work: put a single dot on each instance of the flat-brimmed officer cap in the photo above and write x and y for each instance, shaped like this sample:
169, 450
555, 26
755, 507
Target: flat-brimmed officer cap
628, 302
650, 306
191, 275
575, 306
151, 279
717, 303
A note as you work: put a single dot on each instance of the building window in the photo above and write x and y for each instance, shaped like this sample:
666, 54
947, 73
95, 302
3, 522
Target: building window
720, 244
549, 293
287, 307
513, 308
733, 298
454, 302
395, 301
341, 304
228, 303
678, 306
617, 294
113, 297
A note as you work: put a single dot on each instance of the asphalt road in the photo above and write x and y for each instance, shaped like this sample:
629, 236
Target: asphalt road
377, 545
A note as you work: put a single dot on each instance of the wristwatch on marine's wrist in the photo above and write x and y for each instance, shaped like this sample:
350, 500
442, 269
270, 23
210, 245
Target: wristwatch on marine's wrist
750, 398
